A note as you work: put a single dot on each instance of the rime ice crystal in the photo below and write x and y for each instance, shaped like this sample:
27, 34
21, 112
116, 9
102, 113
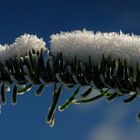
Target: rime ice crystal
83, 44
21, 45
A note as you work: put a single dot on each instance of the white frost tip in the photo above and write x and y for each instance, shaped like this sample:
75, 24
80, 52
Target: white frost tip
21, 46
83, 44
59, 108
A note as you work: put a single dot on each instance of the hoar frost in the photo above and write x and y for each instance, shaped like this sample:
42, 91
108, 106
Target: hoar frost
21, 46
83, 44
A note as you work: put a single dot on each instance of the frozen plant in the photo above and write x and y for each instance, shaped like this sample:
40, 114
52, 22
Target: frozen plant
105, 62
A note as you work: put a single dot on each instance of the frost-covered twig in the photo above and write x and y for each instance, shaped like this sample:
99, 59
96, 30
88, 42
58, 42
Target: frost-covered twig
105, 62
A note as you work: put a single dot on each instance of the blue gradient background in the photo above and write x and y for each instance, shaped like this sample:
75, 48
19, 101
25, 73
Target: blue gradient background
95, 121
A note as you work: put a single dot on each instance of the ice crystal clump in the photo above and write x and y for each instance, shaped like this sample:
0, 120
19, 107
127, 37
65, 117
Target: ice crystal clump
21, 46
83, 44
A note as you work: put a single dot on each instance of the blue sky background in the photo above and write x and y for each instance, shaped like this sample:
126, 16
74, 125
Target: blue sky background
96, 121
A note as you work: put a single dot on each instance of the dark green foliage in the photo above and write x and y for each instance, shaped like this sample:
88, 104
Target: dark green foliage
138, 116
56, 95
40, 90
69, 101
130, 98
112, 96
103, 93
90, 99
24, 89
3, 98
86, 93
14, 95
38, 69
